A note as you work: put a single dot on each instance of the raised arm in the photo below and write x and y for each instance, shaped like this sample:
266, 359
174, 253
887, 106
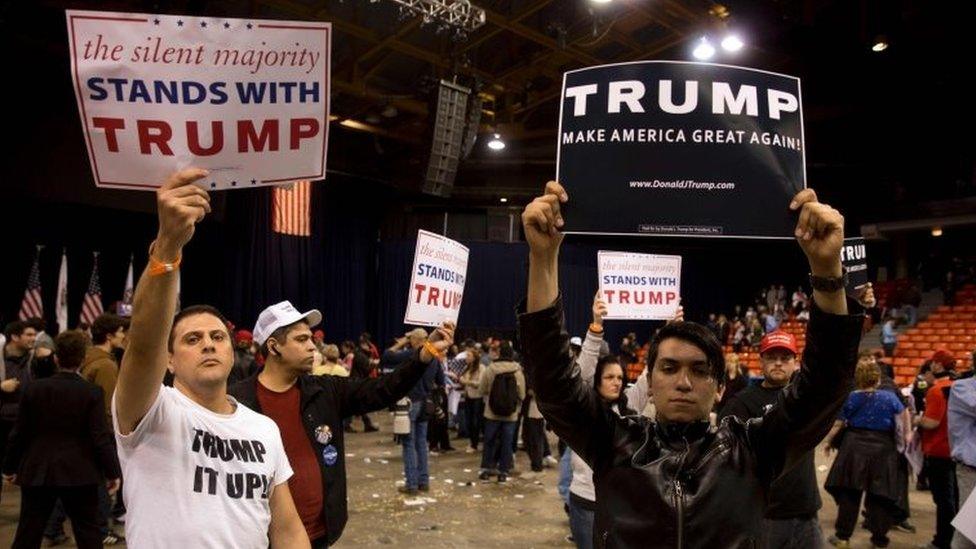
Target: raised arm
360, 396
569, 406
807, 408
181, 205
590, 351
541, 221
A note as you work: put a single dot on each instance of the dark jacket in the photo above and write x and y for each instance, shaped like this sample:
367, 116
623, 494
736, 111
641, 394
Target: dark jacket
433, 376
795, 494
19, 368
360, 365
668, 485
327, 400
60, 437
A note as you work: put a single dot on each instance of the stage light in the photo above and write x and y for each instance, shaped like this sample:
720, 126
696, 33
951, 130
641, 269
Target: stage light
601, 1
936, 231
496, 143
880, 44
503, 200
732, 43
704, 50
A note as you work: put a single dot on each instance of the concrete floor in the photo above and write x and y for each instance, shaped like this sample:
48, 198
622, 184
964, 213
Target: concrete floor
460, 511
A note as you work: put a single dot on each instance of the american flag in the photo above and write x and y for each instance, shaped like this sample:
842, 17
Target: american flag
290, 209
31, 306
91, 307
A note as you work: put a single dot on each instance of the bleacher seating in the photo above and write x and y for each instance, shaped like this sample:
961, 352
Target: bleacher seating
884, 291
949, 327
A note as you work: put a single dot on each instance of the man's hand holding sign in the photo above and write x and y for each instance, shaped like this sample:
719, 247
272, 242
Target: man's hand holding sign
819, 231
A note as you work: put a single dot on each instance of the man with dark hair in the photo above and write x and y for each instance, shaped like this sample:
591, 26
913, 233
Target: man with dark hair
940, 469
61, 448
43, 339
201, 469
18, 361
794, 497
675, 481
309, 410
99, 366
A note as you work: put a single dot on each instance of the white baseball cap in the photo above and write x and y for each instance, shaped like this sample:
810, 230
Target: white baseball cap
280, 315
576, 341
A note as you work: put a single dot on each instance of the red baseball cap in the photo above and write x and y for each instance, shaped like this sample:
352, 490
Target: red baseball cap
243, 335
778, 340
944, 357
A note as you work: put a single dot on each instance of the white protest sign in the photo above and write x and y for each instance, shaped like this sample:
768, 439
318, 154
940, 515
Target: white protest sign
965, 521
639, 286
246, 99
440, 267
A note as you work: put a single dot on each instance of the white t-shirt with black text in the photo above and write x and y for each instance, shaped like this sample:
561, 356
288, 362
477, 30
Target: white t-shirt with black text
196, 478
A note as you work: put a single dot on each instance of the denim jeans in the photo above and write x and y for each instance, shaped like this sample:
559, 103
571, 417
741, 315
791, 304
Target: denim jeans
498, 442
581, 525
565, 475
415, 449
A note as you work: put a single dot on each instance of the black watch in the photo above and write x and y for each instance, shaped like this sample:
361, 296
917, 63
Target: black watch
828, 284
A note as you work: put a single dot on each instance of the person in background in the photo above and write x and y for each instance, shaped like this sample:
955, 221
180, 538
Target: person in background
61, 449
793, 499
889, 336
330, 365
244, 364
474, 401
868, 463
738, 380
360, 366
940, 469
962, 441
504, 384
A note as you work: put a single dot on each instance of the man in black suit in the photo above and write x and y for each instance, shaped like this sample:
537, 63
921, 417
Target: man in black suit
61, 448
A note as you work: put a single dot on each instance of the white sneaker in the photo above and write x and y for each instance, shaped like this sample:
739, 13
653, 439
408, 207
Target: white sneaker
550, 461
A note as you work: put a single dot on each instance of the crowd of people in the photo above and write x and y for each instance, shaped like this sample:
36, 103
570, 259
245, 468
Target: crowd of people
236, 438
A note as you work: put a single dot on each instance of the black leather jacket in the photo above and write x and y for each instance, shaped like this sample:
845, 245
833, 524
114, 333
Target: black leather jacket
687, 485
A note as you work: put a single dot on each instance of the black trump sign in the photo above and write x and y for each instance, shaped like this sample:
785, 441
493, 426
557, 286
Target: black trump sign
670, 148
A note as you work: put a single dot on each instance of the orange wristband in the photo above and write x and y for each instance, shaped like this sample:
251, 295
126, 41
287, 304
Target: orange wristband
157, 267
433, 350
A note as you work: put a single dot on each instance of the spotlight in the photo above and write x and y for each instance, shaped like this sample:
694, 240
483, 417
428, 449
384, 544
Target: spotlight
703, 51
732, 43
879, 46
496, 143
601, 1
936, 231
503, 200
